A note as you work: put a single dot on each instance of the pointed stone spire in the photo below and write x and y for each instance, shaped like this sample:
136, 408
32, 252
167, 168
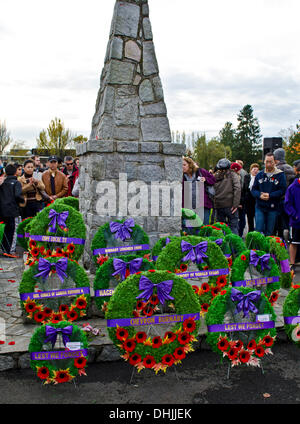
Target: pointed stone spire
130, 104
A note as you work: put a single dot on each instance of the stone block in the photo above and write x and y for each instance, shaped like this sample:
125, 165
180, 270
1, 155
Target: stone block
150, 65
146, 92
149, 173
150, 147
120, 72
126, 133
158, 108
147, 29
170, 225
6, 363
155, 129
157, 86
24, 361
100, 146
174, 149
116, 48
127, 146
173, 168
105, 129
107, 101
132, 50
109, 353
126, 111
126, 19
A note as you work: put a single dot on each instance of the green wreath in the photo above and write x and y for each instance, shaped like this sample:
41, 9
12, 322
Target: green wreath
104, 238
172, 258
256, 240
209, 230
240, 266
73, 229
290, 312
2, 228
41, 309
104, 276
23, 228
160, 245
190, 215
280, 254
58, 370
225, 318
70, 201
140, 349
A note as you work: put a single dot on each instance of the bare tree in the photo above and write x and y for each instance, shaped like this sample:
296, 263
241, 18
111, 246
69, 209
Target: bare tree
5, 138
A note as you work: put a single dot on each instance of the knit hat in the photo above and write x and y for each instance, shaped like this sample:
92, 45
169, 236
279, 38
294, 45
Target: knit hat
235, 166
279, 154
223, 164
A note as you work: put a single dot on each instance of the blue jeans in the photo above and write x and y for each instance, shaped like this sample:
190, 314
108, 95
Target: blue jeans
225, 214
206, 216
265, 221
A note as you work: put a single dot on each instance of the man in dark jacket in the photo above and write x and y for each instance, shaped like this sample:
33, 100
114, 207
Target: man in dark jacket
292, 208
10, 197
268, 188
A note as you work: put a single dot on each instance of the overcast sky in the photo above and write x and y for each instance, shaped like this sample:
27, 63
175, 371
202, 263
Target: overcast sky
214, 57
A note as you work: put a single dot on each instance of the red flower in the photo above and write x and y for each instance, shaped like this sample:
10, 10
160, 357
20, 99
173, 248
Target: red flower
239, 345
196, 289
140, 305
43, 373
30, 306
221, 281
183, 267
274, 297
204, 307
80, 362
243, 258
154, 299
71, 248
232, 353
223, 344
140, 337
129, 345
251, 345
168, 360
189, 325
62, 376
244, 356
268, 341
214, 291
59, 251
229, 261
179, 353
170, 336
39, 316
156, 342
148, 311
32, 243
121, 334
135, 359
184, 338
11, 343
149, 361
35, 251
205, 287
81, 303
135, 314
260, 351
72, 315
64, 309
151, 270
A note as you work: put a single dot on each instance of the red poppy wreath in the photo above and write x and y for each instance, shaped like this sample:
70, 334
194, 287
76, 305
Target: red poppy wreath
148, 299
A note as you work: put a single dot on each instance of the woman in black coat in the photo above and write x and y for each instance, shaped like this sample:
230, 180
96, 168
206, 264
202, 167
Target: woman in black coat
247, 200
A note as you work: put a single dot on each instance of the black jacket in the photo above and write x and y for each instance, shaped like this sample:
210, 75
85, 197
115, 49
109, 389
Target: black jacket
10, 197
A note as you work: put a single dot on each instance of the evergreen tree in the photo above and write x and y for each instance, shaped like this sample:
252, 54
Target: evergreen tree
227, 135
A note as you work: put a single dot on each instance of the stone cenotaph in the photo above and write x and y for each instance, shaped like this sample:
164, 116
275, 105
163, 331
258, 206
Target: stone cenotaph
129, 167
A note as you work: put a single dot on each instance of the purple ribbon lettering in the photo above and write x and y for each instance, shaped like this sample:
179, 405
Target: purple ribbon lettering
240, 326
56, 355
56, 239
203, 274
154, 320
108, 250
255, 282
54, 293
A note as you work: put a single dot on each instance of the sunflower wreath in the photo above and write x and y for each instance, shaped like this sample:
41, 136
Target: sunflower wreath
44, 304
116, 270
58, 366
213, 264
241, 326
117, 235
56, 226
22, 228
147, 291
70, 201
277, 248
291, 314
196, 221
264, 264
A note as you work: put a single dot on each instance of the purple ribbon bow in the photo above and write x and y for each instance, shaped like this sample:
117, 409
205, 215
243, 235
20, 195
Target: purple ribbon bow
45, 267
196, 253
122, 230
57, 218
245, 301
163, 289
264, 260
52, 332
121, 266
219, 242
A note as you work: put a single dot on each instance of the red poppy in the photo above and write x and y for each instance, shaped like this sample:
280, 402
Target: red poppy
149, 361
135, 359
179, 353
71, 248
232, 353
136, 314
151, 270
154, 299
147, 311
260, 351
59, 251
170, 336
229, 261
214, 291
189, 325
168, 360
204, 307
39, 316
129, 345
11, 343
127, 273
140, 337
48, 252
64, 309
30, 307
221, 281
156, 342
32, 243
183, 267
223, 344
268, 341
42, 250
206, 267
195, 288
243, 258
239, 345
80, 362
62, 376
274, 297
184, 338
72, 315
205, 287
121, 334
2, 342
140, 305
35, 251
81, 303
244, 356
251, 345
43, 373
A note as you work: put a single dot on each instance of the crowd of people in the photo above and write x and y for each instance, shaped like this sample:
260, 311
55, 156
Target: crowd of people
25, 189
267, 200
